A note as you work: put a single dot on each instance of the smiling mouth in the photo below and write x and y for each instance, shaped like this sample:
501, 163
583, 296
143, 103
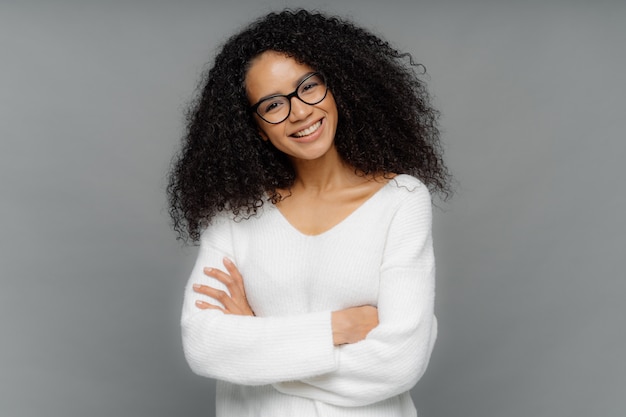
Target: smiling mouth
308, 131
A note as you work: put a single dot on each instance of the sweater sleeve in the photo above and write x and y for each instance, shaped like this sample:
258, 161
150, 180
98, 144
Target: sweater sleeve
395, 354
249, 350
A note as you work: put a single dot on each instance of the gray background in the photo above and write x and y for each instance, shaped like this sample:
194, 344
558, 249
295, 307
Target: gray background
530, 251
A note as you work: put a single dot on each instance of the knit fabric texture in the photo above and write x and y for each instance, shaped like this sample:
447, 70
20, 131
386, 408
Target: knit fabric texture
282, 362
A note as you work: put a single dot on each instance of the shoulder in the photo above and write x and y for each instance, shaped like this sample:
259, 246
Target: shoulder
408, 188
225, 224
403, 197
218, 232
409, 200
409, 230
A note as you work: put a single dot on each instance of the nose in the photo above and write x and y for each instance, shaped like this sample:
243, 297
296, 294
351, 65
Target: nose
299, 109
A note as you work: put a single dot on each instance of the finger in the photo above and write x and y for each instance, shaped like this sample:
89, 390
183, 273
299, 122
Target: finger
235, 301
235, 274
203, 305
219, 275
232, 269
230, 306
233, 283
227, 280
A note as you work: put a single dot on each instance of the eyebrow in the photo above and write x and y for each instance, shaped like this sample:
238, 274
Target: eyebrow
295, 86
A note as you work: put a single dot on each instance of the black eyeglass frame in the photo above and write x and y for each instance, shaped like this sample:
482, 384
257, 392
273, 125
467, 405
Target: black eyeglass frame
289, 96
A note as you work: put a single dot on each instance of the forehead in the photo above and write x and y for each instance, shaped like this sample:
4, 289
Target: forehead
273, 73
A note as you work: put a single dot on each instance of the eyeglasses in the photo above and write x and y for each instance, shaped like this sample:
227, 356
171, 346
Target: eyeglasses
276, 109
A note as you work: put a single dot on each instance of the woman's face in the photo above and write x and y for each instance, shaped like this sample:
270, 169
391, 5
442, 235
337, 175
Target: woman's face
309, 131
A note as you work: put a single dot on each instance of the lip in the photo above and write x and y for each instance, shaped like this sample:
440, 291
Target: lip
313, 136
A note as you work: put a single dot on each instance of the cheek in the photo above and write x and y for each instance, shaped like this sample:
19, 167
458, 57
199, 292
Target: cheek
274, 134
263, 135
261, 129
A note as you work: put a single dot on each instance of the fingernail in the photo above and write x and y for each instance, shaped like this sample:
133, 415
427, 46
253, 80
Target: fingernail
196, 286
227, 260
199, 303
208, 270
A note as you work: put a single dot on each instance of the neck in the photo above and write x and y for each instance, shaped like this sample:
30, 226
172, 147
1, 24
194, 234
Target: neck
325, 173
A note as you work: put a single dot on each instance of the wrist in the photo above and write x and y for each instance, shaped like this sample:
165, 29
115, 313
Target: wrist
338, 324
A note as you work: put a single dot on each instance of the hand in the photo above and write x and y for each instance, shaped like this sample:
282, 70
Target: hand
352, 325
235, 303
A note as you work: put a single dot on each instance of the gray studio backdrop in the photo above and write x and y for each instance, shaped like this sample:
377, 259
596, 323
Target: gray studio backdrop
530, 251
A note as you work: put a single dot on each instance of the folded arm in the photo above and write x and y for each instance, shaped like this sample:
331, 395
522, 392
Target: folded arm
245, 349
395, 354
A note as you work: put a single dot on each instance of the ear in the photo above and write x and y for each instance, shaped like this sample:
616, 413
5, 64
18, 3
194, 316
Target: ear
263, 135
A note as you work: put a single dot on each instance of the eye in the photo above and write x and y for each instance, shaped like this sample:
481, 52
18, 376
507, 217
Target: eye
311, 85
272, 105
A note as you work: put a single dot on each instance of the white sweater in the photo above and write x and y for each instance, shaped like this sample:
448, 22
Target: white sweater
282, 362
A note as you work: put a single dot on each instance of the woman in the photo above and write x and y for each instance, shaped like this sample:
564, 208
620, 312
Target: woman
305, 175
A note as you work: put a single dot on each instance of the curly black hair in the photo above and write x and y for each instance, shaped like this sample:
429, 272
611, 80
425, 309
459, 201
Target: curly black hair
386, 125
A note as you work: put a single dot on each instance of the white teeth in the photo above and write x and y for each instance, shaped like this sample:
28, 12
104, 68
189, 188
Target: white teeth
309, 130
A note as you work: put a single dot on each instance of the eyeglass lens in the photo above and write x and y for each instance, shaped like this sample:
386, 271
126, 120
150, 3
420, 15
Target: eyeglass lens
275, 109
